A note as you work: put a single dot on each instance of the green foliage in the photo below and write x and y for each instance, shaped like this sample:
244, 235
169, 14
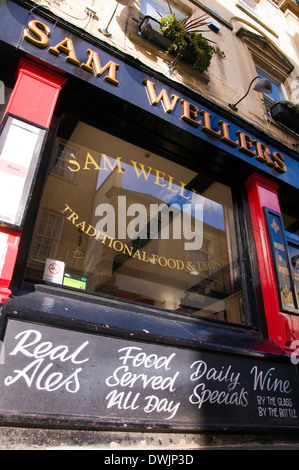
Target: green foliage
293, 106
185, 33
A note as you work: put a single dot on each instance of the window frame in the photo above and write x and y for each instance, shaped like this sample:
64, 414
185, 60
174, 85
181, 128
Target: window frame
252, 9
252, 303
279, 85
60, 161
52, 238
178, 8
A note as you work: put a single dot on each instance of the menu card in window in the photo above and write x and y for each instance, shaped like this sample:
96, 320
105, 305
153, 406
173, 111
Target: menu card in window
20, 146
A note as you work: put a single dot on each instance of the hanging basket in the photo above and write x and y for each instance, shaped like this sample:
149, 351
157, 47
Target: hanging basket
149, 28
286, 116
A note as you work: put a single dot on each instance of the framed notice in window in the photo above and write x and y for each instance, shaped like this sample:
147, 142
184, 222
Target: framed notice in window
20, 150
281, 260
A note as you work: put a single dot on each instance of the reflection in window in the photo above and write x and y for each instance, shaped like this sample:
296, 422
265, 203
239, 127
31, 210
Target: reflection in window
63, 154
47, 236
139, 227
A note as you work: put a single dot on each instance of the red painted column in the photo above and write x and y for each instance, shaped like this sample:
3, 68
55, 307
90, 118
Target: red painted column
34, 98
262, 192
35, 94
9, 244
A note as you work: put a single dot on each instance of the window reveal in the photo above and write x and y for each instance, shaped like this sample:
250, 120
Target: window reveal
147, 229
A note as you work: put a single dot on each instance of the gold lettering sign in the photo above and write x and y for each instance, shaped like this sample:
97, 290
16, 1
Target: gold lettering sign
190, 114
168, 104
40, 34
66, 47
37, 34
94, 65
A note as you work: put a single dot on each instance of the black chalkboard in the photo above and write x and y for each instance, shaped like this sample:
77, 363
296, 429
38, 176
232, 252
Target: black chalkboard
280, 255
60, 373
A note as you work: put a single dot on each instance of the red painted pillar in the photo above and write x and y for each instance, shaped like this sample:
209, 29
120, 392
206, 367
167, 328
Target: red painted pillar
34, 98
9, 243
262, 192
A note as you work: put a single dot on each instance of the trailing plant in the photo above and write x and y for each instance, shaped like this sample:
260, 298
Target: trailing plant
187, 32
293, 106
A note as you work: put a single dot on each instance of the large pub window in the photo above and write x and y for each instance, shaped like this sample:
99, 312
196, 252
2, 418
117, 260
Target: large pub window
117, 220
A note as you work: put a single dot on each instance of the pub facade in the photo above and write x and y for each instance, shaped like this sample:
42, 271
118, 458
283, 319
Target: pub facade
149, 234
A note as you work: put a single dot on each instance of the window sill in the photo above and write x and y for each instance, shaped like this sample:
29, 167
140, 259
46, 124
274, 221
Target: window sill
151, 49
72, 309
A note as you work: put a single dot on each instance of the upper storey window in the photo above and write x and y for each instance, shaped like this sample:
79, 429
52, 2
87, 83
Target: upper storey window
250, 5
278, 90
